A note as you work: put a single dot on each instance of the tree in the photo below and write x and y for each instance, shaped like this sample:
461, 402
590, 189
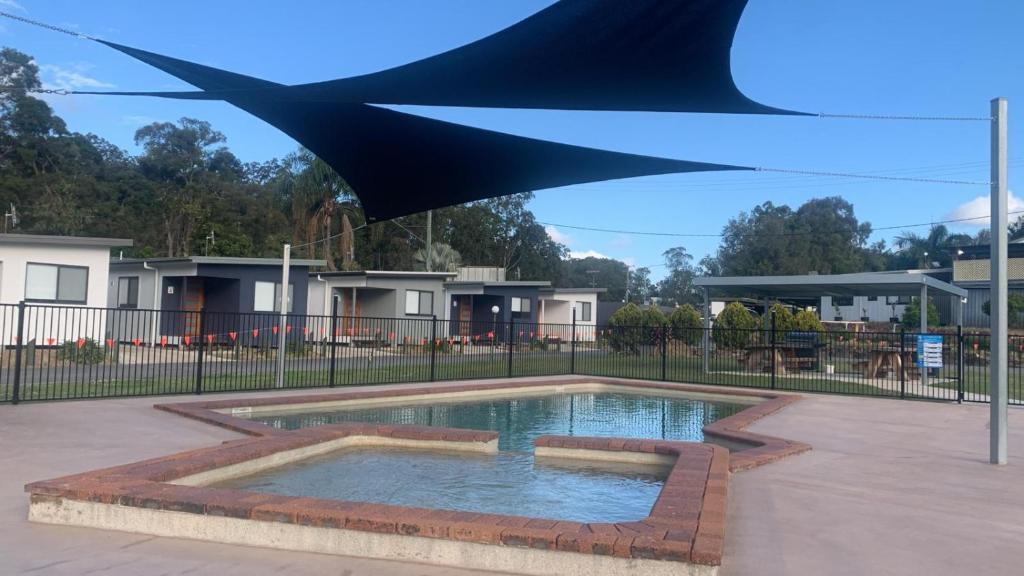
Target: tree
188, 168
593, 272
677, 287
443, 258
734, 327
807, 321
822, 236
916, 251
783, 320
685, 325
912, 314
640, 286
1014, 309
632, 327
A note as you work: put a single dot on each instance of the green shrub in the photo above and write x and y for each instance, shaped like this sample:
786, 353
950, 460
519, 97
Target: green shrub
686, 325
734, 327
807, 321
1014, 310
912, 314
632, 327
783, 321
82, 351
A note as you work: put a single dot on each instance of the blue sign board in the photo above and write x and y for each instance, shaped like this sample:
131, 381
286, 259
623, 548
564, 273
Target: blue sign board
929, 350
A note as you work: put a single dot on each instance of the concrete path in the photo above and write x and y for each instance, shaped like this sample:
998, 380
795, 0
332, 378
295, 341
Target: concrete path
890, 488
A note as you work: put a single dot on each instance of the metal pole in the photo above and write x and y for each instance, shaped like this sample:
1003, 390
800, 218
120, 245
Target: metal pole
774, 351
511, 342
902, 367
959, 363
923, 322
282, 332
16, 392
706, 338
998, 287
333, 338
430, 231
572, 346
664, 354
433, 347
202, 349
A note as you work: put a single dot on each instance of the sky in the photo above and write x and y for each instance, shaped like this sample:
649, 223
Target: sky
872, 57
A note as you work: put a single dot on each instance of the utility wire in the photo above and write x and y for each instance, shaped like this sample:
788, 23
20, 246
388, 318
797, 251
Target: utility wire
873, 177
906, 117
720, 235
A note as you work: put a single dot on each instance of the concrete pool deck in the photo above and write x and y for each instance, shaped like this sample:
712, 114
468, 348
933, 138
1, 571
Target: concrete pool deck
891, 487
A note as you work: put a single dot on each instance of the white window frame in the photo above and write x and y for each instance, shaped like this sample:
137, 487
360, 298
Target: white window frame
56, 298
517, 305
414, 300
276, 306
582, 305
127, 304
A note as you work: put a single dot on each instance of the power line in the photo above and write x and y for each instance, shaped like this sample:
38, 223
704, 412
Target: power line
906, 117
721, 235
874, 177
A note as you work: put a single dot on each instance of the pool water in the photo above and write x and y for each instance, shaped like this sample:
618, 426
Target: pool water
518, 421
511, 481
503, 483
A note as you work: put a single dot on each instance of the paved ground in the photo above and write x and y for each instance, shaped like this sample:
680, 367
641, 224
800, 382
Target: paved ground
890, 488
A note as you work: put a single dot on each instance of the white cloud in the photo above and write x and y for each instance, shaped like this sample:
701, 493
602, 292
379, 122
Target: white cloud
557, 235
137, 120
980, 208
73, 78
580, 254
12, 4
621, 241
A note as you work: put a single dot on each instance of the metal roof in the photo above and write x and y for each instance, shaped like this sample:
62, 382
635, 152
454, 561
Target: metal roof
385, 274
227, 260
809, 286
63, 240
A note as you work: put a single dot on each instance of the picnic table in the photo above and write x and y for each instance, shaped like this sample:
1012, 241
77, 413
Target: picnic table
891, 358
759, 357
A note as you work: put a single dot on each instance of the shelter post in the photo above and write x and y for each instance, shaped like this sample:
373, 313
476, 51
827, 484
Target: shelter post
998, 289
282, 332
706, 340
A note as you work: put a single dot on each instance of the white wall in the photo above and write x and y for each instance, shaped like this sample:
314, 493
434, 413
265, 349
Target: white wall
57, 322
876, 310
558, 310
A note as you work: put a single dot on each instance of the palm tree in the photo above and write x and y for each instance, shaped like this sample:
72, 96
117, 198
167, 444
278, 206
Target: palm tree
938, 246
319, 198
443, 258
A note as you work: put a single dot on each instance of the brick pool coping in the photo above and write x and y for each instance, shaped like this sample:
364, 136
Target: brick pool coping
686, 523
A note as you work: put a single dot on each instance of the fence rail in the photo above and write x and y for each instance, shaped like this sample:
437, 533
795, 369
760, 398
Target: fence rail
58, 353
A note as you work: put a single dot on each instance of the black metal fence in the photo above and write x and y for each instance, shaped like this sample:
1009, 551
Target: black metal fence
56, 353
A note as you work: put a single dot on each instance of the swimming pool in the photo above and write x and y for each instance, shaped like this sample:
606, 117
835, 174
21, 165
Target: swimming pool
518, 420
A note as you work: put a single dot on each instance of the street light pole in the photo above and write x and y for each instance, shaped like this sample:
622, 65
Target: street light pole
998, 287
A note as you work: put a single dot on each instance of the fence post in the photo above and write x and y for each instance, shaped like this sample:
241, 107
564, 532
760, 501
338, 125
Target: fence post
202, 349
333, 339
572, 344
510, 342
433, 347
959, 364
16, 393
774, 350
903, 369
664, 351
